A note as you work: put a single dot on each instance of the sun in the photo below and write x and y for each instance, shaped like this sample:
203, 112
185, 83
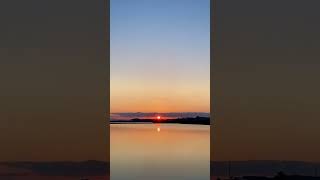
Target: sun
158, 117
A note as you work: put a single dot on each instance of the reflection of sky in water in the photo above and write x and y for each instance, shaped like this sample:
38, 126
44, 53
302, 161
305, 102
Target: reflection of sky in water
128, 116
160, 152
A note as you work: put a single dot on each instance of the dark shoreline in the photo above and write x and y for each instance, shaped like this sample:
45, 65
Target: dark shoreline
265, 169
90, 168
196, 121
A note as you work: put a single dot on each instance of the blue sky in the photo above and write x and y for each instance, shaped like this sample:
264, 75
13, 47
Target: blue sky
160, 55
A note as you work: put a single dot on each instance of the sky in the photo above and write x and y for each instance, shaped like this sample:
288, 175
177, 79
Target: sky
160, 56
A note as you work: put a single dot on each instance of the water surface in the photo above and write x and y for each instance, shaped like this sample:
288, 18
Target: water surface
160, 152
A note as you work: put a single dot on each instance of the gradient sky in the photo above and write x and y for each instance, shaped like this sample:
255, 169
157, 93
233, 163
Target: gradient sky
160, 55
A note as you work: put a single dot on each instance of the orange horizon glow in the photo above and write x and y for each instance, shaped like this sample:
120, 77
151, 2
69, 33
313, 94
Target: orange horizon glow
143, 107
135, 94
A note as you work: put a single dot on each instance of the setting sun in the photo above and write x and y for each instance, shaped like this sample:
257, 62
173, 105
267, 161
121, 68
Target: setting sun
158, 117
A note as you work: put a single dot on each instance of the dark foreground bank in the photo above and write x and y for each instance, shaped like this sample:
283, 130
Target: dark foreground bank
265, 170
89, 170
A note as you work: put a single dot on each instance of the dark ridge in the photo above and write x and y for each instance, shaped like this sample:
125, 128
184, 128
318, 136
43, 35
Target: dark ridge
85, 168
278, 176
195, 120
264, 168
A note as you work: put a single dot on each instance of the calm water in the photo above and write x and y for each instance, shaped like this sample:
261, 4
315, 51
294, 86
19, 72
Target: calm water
160, 152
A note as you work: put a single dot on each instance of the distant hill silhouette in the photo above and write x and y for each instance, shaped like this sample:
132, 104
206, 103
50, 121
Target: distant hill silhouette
85, 168
279, 176
259, 170
190, 120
